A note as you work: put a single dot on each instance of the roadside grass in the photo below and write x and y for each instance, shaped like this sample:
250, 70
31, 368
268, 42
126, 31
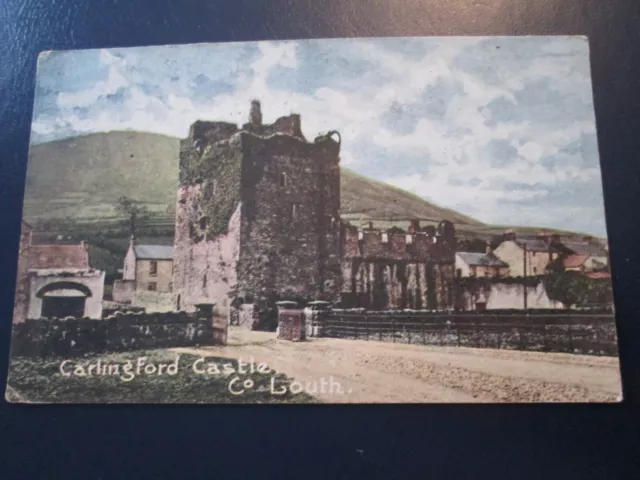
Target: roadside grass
38, 380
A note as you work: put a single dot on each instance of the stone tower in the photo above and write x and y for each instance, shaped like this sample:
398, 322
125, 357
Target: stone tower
257, 216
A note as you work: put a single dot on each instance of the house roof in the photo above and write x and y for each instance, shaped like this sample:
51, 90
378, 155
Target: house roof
535, 245
58, 256
584, 248
481, 259
574, 261
597, 275
153, 252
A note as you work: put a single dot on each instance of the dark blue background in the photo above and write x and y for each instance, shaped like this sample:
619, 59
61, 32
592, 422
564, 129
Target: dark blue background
463, 441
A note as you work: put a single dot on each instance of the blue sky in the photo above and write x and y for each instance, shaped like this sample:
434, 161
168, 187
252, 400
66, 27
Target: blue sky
499, 128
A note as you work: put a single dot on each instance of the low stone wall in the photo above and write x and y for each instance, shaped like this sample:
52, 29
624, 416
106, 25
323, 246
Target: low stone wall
71, 337
123, 291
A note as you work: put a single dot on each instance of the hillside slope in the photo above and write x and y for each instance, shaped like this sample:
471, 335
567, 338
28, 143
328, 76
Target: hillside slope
82, 177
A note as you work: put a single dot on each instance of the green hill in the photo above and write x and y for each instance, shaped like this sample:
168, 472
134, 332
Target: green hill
82, 178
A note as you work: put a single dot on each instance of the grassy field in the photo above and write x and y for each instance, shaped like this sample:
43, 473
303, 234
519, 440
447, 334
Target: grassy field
40, 381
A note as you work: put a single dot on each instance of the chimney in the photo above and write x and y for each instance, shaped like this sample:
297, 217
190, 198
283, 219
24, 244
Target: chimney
489, 250
414, 225
255, 114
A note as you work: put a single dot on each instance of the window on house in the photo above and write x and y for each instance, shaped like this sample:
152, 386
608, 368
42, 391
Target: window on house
360, 235
409, 239
153, 268
152, 287
283, 179
385, 238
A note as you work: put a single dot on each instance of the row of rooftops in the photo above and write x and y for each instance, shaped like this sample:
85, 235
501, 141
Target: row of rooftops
576, 251
482, 259
49, 256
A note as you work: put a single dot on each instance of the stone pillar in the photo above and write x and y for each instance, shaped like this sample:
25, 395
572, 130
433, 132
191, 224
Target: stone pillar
315, 314
291, 321
214, 328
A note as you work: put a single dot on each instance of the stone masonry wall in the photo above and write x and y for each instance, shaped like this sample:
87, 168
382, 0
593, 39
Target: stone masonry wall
208, 214
382, 270
290, 242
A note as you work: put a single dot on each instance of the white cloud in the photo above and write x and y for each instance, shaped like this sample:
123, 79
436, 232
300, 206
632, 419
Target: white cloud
452, 145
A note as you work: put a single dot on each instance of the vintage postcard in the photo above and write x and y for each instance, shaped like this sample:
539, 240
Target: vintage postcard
373, 220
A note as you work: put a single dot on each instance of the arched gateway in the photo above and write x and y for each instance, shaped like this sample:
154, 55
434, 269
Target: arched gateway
63, 299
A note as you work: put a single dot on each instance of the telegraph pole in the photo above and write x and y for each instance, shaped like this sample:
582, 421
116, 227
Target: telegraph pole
524, 281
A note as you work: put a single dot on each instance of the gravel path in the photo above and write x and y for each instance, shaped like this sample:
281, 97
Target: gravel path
380, 372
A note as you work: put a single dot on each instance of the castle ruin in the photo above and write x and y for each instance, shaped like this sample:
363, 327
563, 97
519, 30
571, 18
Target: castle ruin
258, 220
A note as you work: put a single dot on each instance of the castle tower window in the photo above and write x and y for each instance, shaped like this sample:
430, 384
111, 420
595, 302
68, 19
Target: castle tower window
152, 286
283, 179
385, 238
199, 145
409, 239
203, 223
295, 211
360, 235
210, 188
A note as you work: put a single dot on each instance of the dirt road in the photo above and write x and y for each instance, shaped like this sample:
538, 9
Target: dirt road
379, 372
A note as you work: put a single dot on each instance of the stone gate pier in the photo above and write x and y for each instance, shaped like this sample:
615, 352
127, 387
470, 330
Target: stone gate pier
291, 321
315, 314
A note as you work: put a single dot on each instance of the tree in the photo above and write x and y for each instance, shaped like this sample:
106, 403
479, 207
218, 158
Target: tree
133, 209
573, 288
